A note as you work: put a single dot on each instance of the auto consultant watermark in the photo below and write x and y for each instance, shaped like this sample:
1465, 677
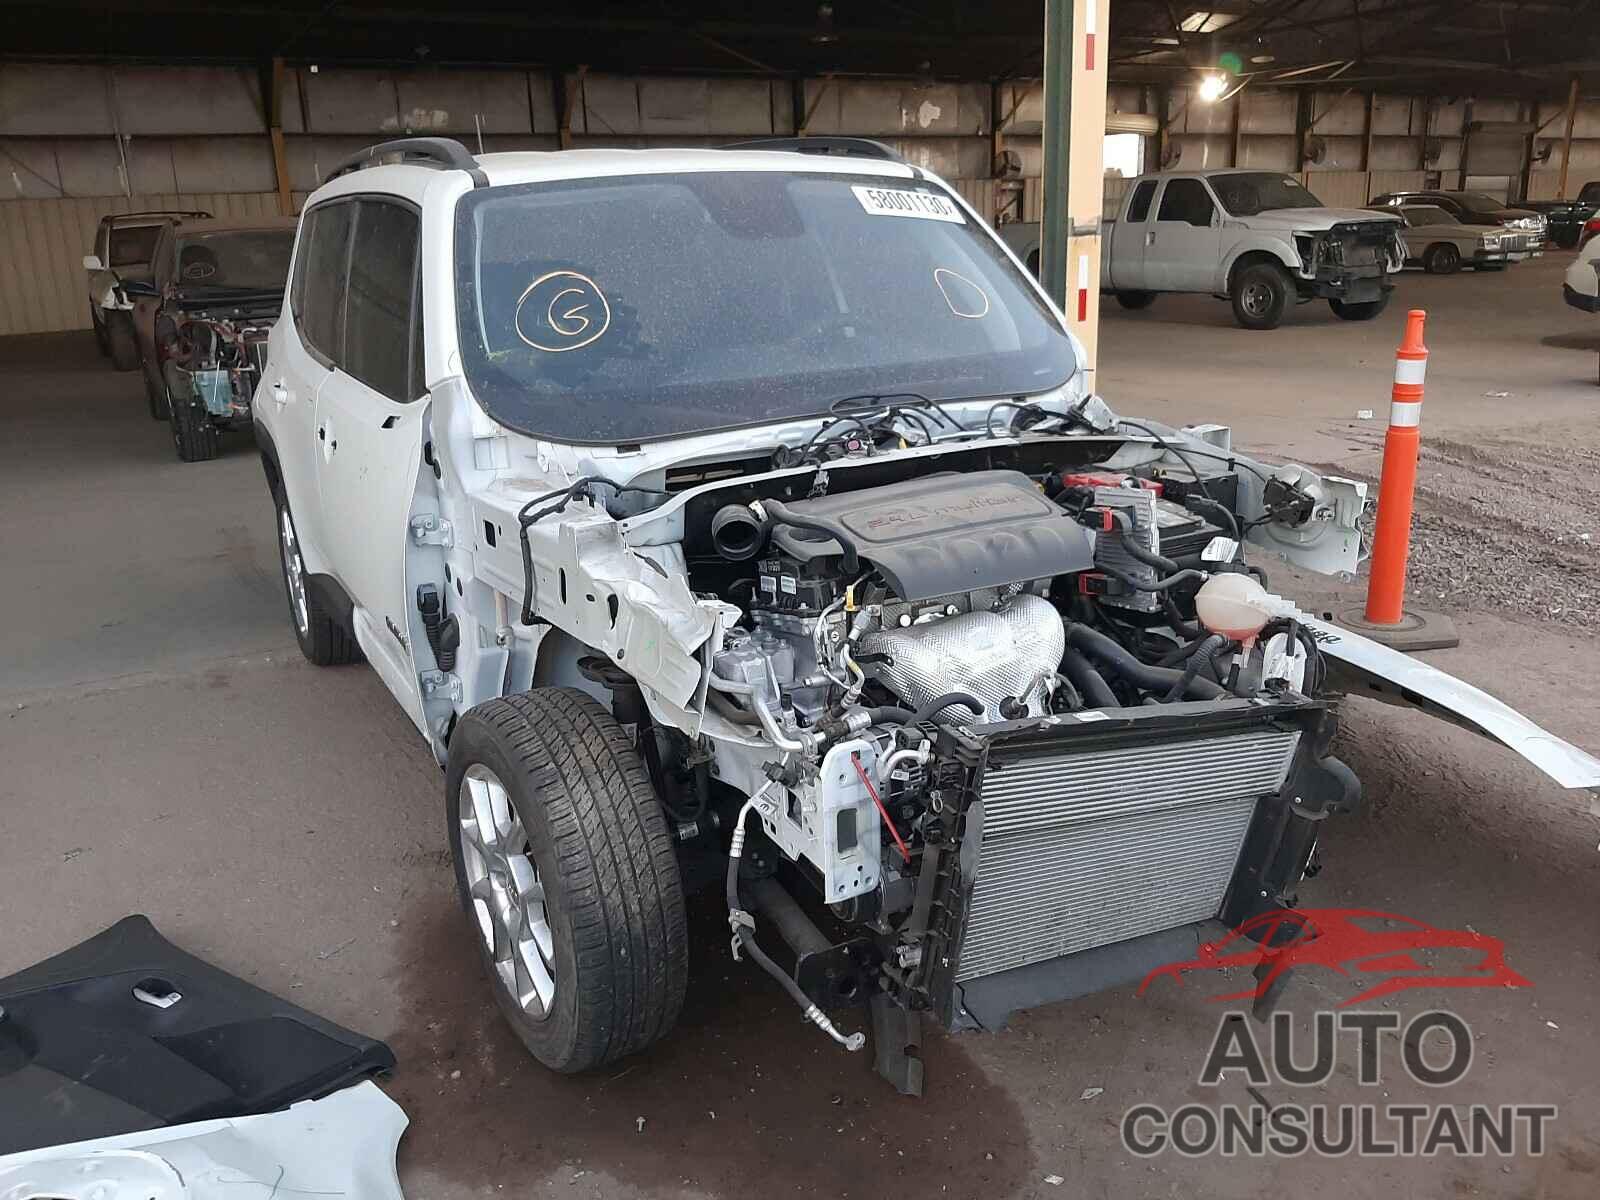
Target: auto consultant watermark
1434, 1049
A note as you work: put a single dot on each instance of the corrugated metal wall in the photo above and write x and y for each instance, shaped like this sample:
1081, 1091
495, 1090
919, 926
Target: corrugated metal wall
43, 286
79, 141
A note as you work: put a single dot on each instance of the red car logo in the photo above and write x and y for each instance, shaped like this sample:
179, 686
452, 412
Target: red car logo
1353, 942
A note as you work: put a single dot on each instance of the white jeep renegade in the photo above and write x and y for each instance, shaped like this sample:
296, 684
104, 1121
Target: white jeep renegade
740, 517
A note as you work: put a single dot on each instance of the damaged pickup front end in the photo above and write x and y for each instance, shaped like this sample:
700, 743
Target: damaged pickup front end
1351, 262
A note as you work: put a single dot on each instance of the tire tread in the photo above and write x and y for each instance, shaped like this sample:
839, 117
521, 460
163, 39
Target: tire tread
620, 883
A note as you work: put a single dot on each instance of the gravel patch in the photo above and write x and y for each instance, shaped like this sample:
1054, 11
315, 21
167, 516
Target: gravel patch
1507, 525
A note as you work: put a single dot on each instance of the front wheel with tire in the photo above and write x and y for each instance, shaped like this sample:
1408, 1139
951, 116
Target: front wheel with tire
155, 392
193, 433
102, 342
566, 869
123, 345
1136, 300
1442, 258
1260, 294
1364, 310
323, 639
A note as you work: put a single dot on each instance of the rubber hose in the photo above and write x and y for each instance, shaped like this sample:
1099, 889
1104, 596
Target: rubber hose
891, 714
1203, 654
1160, 585
1182, 653
1216, 506
851, 561
925, 713
747, 943
727, 708
1149, 679
1180, 626
1090, 683
1149, 557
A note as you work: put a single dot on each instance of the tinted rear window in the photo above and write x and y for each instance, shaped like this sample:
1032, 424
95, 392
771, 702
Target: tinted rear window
320, 285
133, 245
378, 311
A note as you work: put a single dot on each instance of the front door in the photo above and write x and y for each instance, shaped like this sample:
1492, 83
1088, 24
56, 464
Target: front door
1185, 240
301, 356
370, 416
1129, 239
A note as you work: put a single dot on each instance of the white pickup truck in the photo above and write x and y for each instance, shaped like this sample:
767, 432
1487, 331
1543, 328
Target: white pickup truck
1257, 238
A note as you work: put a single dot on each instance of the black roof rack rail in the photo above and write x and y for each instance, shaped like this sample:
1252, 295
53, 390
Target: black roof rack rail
858, 147
198, 213
446, 153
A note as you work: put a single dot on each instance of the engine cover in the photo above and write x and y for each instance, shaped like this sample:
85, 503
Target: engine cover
948, 533
991, 655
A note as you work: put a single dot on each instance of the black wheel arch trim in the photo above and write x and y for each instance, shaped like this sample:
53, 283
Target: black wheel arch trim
270, 465
335, 601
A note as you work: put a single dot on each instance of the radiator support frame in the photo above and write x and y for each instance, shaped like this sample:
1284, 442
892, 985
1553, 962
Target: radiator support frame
1275, 848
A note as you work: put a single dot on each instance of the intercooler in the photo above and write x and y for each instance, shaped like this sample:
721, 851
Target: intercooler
1085, 842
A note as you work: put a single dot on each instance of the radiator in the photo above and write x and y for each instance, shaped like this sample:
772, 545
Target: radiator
1083, 849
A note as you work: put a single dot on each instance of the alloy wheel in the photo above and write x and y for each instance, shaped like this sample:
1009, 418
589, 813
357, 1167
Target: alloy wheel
508, 897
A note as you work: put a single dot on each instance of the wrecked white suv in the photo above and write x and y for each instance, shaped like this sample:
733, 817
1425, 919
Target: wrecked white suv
739, 519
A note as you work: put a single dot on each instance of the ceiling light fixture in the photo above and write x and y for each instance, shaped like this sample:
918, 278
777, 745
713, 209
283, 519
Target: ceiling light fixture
1212, 87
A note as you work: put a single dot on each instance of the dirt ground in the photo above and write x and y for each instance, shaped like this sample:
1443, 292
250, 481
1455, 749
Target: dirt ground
166, 750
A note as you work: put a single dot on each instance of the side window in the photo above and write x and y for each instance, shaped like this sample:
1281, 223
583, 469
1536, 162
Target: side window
383, 268
321, 278
1187, 201
1139, 206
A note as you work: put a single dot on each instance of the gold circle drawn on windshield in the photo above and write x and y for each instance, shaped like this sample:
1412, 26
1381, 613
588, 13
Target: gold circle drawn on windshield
561, 311
965, 298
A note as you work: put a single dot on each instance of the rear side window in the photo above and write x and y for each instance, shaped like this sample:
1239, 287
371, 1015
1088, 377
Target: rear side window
321, 278
378, 344
1187, 201
1139, 206
133, 245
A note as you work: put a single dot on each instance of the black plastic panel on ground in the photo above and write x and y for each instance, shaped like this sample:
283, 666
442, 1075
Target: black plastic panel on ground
93, 1044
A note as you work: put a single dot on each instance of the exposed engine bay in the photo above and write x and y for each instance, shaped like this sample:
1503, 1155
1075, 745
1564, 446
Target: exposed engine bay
1022, 733
214, 360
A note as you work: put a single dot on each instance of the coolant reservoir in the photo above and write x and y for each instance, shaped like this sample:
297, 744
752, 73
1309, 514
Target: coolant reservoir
1235, 605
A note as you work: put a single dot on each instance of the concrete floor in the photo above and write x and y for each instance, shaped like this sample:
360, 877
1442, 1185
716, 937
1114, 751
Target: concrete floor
167, 751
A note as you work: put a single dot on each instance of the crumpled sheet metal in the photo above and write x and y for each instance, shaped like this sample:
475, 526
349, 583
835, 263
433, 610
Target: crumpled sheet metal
342, 1145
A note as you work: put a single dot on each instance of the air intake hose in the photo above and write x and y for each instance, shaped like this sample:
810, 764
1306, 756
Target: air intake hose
781, 514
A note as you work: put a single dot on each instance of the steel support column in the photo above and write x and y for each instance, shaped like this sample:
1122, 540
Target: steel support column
1074, 162
1566, 141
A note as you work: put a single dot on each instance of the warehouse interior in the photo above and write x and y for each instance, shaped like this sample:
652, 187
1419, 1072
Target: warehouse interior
168, 750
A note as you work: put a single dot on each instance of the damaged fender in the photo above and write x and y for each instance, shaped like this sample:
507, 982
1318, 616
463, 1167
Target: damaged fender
343, 1145
626, 605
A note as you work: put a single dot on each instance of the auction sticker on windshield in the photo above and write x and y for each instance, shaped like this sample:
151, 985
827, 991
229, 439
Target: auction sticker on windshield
895, 202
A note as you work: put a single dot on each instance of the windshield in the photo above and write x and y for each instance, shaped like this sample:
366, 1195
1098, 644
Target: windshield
133, 245
255, 260
1251, 192
1477, 202
653, 306
1590, 194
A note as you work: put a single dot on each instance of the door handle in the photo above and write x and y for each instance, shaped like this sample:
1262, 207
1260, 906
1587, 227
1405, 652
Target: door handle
280, 393
1150, 238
